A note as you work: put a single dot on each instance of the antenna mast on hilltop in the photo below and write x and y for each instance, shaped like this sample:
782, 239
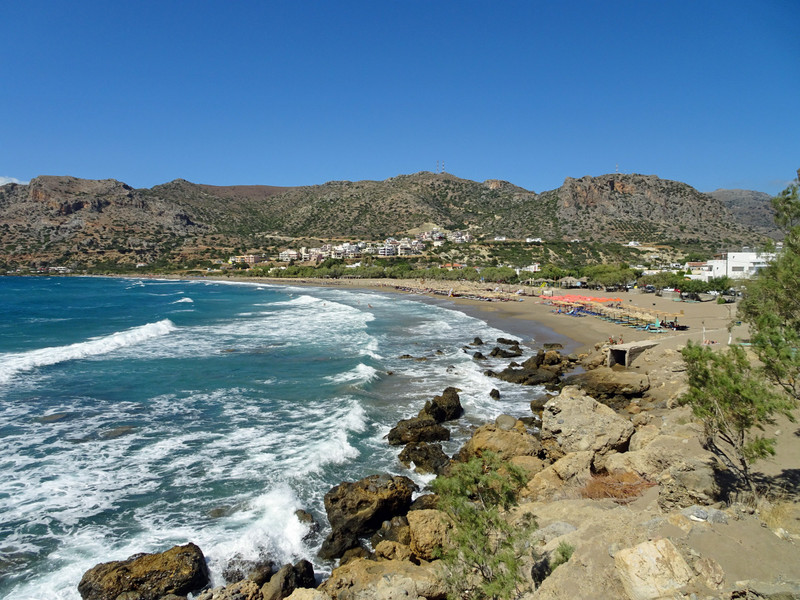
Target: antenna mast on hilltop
439, 167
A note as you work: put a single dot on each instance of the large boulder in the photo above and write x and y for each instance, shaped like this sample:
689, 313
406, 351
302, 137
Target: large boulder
512, 352
179, 571
604, 383
427, 458
652, 570
506, 443
443, 408
428, 532
567, 473
417, 429
364, 579
576, 423
358, 509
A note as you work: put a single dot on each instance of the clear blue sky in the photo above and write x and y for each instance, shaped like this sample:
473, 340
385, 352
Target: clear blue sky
303, 92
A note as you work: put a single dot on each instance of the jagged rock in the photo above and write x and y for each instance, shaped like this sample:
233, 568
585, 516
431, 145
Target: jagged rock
417, 429
427, 458
478, 356
652, 569
358, 509
552, 357
571, 470
506, 444
525, 376
424, 502
529, 464
239, 568
710, 572
604, 383
353, 554
537, 404
498, 352
307, 519
477, 342
443, 408
394, 530
241, 590
535, 361
180, 570
553, 346
307, 594
576, 423
685, 472
494, 394
392, 551
507, 341
386, 580
288, 579
428, 532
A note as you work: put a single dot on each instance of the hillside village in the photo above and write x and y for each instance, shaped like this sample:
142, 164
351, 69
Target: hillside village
734, 265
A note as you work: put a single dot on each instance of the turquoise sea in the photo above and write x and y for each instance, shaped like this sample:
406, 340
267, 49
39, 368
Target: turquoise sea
138, 414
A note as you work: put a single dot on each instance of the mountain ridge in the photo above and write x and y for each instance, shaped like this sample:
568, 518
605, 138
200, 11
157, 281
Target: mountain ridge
62, 218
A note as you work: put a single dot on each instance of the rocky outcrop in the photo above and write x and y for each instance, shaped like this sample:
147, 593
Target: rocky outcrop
568, 472
288, 579
358, 509
427, 458
574, 422
239, 568
686, 473
428, 529
609, 385
178, 571
364, 579
417, 429
652, 570
506, 443
523, 376
443, 408
241, 590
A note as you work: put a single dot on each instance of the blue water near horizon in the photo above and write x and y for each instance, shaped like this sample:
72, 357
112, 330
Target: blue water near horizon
138, 414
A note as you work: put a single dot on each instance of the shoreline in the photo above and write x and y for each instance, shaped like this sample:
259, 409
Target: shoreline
529, 316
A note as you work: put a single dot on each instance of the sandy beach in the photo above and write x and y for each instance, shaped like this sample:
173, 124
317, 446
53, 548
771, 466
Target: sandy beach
533, 313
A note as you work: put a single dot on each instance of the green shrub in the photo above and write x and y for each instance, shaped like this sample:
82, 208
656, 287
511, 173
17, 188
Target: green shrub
563, 554
484, 558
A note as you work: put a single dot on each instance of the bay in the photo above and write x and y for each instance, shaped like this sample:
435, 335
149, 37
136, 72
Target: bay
136, 414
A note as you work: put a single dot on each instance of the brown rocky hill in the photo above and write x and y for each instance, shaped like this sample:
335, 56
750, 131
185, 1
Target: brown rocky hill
749, 208
58, 220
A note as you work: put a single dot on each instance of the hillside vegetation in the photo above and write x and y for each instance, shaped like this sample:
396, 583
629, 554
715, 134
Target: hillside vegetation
63, 220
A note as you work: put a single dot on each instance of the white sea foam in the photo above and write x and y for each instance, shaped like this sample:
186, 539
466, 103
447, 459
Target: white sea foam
182, 300
13, 363
360, 374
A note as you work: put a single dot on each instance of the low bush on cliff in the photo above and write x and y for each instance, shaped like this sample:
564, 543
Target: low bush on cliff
485, 556
622, 487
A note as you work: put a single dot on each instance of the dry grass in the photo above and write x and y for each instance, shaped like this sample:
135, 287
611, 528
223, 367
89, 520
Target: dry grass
622, 487
783, 515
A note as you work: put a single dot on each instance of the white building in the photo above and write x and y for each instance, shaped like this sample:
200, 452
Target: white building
738, 265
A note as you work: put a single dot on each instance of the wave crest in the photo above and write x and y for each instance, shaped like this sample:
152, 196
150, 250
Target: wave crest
14, 363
